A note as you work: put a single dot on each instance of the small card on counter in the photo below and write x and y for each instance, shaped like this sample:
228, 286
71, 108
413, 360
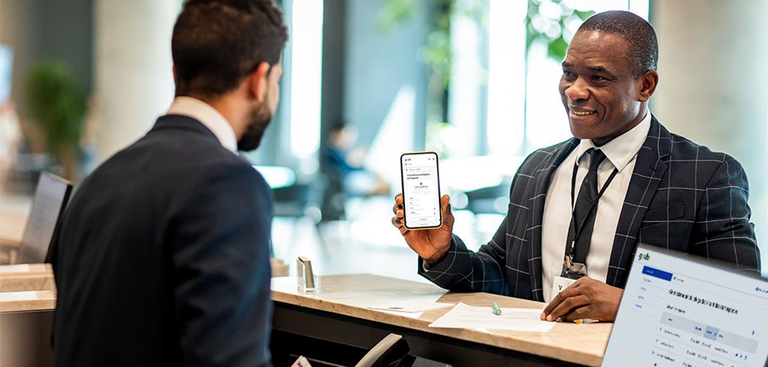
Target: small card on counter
409, 306
301, 362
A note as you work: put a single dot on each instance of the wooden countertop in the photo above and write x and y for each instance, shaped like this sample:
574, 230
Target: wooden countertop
27, 301
350, 295
22, 269
26, 277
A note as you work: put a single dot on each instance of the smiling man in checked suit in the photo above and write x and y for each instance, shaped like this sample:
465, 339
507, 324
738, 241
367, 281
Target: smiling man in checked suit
623, 179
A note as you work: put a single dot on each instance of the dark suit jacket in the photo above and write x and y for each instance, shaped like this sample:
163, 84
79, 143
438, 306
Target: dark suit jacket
163, 257
681, 196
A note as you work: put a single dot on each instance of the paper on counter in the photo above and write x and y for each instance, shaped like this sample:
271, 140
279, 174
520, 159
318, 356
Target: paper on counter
409, 306
470, 317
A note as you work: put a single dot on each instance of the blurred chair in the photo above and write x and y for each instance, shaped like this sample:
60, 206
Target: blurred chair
50, 200
294, 198
301, 200
489, 200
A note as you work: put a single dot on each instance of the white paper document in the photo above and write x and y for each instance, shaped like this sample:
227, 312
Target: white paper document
409, 306
470, 317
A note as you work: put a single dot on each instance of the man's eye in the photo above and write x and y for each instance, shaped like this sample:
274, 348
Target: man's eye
598, 78
568, 74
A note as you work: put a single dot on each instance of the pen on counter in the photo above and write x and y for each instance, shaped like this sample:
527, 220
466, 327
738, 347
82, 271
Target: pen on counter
496, 309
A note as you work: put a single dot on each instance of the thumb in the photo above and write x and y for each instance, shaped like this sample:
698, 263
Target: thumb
445, 204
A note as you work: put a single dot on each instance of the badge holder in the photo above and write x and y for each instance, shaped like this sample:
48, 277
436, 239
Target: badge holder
570, 272
573, 270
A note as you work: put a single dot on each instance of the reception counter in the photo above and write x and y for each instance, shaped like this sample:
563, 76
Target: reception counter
339, 313
25, 335
26, 277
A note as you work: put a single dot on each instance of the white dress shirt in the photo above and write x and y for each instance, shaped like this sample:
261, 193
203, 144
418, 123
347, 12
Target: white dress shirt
208, 116
621, 154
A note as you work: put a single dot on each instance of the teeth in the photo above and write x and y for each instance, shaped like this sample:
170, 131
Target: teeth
582, 113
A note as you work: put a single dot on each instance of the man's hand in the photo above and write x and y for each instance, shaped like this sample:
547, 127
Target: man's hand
585, 299
430, 244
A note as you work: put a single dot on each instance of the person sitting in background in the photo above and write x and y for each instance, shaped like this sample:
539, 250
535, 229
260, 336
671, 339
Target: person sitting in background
347, 176
578, 209
163, 254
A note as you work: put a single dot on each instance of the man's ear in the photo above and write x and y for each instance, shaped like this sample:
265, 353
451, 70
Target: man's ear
258, 82
647, 84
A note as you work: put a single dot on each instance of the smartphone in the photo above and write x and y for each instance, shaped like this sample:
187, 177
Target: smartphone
420, 178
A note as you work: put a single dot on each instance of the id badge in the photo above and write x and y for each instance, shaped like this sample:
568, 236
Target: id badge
560, 284
569, 274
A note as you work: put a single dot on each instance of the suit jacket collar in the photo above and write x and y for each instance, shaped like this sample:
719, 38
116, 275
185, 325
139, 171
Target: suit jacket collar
543, 175
649, 169
208, 116
182, 122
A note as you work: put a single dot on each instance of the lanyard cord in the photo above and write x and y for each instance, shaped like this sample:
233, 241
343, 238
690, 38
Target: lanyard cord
577, 229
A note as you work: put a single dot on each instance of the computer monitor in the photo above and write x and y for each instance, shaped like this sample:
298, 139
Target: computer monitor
681, 310
51, 196
6, 67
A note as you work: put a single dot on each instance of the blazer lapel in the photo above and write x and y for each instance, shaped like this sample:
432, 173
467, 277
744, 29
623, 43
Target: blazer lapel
649, 169
538, 194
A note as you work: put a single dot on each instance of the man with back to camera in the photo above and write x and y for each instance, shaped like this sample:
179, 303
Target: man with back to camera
578, 209
163, 254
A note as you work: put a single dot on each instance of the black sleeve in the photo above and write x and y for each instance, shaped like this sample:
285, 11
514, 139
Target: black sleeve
222, 273
723, 229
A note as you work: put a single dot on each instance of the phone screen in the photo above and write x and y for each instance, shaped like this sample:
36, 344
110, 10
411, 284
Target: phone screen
421, 190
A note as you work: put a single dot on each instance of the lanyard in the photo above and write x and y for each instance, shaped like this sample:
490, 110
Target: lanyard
578, 227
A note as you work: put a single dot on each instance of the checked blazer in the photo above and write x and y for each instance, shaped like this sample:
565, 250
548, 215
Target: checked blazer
682, 196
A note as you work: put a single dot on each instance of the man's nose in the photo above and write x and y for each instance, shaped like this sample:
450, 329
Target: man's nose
577, 91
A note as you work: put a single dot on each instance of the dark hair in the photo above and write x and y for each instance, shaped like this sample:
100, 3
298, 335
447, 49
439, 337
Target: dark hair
643, 46
216, 43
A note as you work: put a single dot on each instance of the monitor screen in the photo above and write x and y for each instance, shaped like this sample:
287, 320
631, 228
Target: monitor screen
6, 66
51, 196
680, 310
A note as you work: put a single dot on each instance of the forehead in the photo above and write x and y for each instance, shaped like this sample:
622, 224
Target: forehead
595, 48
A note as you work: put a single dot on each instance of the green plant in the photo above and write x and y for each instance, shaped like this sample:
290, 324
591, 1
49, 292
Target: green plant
436, 53
547, 21
58, 105
550, 22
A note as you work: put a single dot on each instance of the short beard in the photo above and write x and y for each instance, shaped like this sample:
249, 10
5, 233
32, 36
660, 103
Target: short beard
251, 139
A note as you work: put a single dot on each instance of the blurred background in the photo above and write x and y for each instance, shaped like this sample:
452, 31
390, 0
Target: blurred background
366, 80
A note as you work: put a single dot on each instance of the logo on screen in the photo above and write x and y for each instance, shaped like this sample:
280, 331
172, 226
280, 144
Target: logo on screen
641, 257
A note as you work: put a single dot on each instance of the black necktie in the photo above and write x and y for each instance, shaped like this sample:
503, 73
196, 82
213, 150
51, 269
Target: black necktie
585, 210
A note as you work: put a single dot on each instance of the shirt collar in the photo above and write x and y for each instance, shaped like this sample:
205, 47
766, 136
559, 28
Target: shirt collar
208, 116
621, 150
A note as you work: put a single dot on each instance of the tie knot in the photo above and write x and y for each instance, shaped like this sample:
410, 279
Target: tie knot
596, 156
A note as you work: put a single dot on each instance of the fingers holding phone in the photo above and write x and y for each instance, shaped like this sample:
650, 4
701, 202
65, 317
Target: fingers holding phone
399, 211
422, 216
430, 244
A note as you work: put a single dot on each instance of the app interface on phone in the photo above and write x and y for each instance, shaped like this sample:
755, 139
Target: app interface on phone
421, 190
